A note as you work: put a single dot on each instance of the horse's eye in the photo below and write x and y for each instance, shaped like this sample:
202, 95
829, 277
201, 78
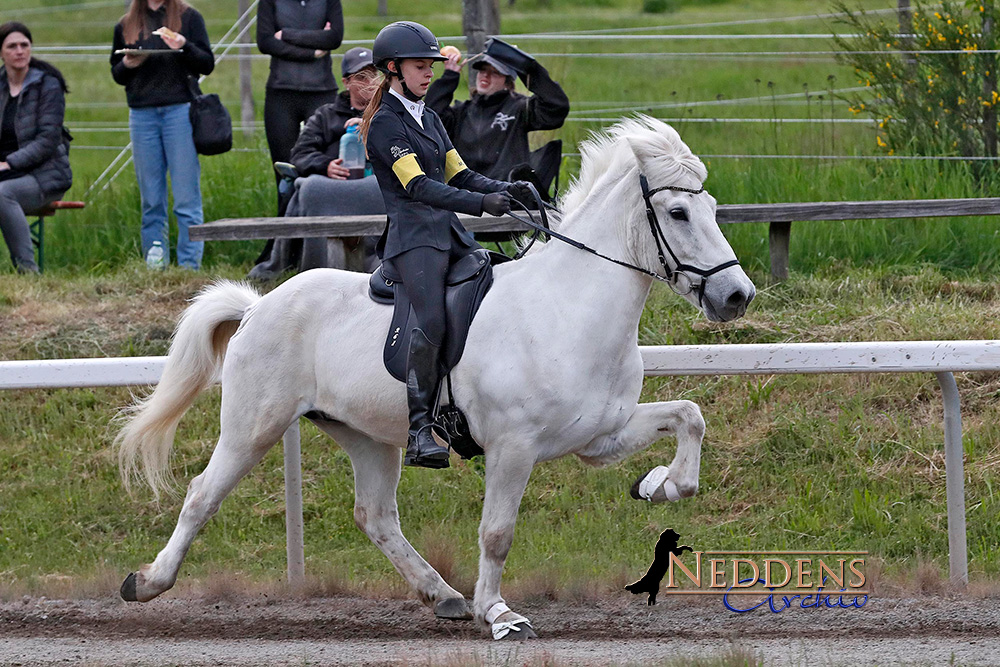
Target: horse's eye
678, 213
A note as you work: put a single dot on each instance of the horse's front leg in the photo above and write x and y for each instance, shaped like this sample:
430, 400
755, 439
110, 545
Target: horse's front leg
507, 472
649, 423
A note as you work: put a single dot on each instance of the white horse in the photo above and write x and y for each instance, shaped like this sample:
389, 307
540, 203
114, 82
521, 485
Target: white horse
552, 367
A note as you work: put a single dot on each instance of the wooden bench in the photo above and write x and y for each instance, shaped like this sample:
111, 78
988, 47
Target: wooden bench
38, 226
780, 217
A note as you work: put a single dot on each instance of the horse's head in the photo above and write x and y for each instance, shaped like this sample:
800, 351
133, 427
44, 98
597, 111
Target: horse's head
677, 235
669, 228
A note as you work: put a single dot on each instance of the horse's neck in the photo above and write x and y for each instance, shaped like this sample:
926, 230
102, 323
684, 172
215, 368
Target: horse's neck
609, 297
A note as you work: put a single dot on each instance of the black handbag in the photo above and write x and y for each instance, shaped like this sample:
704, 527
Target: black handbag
211, 125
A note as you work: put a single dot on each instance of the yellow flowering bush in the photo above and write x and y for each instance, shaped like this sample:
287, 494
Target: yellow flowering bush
938, 100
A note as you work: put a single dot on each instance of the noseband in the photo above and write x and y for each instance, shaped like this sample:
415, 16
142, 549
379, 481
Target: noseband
661, 242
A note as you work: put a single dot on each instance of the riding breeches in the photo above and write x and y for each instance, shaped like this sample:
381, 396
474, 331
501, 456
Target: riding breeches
424, 271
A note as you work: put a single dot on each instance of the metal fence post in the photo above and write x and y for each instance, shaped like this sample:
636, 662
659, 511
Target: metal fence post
958, 561
247, 115
294, 533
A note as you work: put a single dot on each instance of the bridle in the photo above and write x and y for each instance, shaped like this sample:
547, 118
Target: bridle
661, 242
673, 275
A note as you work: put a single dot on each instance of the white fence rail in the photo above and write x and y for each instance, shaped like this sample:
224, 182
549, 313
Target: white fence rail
943, 358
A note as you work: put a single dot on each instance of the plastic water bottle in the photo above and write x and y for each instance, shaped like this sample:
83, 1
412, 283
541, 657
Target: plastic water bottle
155, 257
352, 152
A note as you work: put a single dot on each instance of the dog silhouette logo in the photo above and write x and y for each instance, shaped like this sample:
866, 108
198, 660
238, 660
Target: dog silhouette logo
650, 582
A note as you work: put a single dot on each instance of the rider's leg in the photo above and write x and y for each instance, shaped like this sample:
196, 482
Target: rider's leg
423, 270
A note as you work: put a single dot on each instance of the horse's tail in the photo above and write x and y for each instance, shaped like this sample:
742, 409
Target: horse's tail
196, 354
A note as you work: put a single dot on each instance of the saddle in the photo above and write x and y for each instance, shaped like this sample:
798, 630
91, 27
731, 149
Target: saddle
467, 282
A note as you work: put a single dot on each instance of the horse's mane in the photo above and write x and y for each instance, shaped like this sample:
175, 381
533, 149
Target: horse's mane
612, 151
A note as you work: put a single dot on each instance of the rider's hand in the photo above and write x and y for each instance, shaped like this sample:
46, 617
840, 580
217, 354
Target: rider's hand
522, 192
496, 203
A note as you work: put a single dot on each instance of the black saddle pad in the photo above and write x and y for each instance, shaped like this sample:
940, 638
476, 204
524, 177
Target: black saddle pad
468, 281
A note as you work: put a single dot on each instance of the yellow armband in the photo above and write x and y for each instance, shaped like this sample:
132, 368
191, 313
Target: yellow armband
453, 164
407, 168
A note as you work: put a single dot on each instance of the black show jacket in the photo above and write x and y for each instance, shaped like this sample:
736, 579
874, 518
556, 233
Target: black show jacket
424, 181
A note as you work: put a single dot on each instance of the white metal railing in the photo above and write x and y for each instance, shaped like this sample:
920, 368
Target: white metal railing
943, 358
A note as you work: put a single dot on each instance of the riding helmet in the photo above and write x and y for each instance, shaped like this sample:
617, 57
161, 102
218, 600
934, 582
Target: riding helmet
404, 39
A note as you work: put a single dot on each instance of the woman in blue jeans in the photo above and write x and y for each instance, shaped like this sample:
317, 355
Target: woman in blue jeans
159, 88
34, 164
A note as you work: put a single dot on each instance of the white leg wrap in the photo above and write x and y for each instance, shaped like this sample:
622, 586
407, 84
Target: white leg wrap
501, 630
656, 479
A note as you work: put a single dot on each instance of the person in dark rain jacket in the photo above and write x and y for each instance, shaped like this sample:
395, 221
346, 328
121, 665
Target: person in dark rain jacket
34, 163
424, 182
491, 129
159, 90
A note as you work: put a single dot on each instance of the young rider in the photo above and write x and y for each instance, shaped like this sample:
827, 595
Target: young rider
424, 182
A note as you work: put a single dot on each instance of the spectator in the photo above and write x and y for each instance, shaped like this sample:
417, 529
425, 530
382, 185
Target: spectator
159, 89
298, 35
323, 188
491, 129
34, 157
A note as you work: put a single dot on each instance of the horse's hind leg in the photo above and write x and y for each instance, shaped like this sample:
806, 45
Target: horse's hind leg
376, 476
241, 446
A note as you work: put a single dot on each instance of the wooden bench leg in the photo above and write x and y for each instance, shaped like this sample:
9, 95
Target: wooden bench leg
336, 253
778, 235
339, 256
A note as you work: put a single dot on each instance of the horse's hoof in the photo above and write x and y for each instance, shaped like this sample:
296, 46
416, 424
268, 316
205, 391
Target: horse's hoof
453, 609
520, 632
655, 486
634, 491
128, 589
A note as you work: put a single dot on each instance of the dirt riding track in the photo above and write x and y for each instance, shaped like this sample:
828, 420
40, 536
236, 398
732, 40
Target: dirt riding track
350, 630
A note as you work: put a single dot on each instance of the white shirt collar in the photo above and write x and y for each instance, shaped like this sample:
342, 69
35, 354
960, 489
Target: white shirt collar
416, 109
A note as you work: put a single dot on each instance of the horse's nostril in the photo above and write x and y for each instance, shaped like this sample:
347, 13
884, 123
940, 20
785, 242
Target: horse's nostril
737, 299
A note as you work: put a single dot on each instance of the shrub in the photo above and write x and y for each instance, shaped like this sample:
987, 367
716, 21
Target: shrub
927, 103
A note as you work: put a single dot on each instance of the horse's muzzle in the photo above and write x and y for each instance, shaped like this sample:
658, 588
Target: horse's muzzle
727, 300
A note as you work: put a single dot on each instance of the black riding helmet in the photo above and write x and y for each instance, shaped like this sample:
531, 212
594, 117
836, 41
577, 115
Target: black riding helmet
404, 39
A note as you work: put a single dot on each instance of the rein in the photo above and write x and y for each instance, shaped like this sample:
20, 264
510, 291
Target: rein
661, 241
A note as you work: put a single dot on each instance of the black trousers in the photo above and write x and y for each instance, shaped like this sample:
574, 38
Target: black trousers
284, 111
424, 271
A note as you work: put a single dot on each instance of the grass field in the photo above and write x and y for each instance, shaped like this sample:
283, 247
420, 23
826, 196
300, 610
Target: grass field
811, 462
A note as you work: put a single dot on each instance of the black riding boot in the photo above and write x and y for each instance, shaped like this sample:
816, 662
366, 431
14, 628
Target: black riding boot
423, 378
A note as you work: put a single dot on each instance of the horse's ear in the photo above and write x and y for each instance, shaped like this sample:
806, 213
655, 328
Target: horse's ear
643, 152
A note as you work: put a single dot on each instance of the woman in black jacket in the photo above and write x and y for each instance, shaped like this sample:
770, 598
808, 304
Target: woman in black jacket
159, 88
298, 35
424, 182
34, 162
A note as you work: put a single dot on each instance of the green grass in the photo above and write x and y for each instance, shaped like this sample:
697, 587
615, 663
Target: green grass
790, 462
